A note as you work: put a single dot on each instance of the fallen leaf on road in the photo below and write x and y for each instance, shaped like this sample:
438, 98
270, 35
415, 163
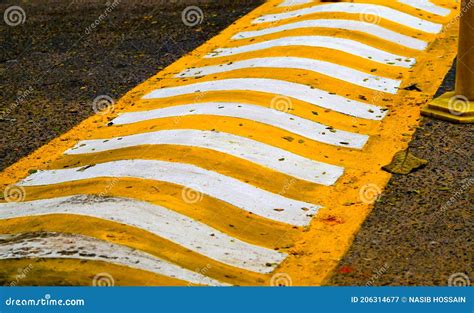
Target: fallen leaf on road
404, 163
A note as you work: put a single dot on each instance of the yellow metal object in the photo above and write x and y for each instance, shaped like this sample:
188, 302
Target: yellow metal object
465, 66
458, 106
451, 107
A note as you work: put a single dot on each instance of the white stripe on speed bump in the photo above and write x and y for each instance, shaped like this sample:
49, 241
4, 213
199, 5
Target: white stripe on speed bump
51, 245
427, 6
288, 3
279, 119
158, 220
358, 8
278, 87
248, 149
227, 189
353, 25
326, 68
341, 44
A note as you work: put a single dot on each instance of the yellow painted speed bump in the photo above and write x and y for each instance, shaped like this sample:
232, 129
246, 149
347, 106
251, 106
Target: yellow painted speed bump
458, 106
253, 159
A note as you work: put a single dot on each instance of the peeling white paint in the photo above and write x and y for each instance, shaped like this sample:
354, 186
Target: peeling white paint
69, 246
